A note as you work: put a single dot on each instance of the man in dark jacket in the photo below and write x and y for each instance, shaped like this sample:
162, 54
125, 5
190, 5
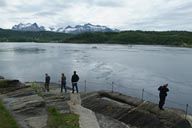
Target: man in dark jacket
63, 82
162, 95
47, 81
74, 80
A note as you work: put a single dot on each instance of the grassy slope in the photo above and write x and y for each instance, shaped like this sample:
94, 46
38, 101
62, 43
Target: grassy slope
58, 120
3, 83
6, 120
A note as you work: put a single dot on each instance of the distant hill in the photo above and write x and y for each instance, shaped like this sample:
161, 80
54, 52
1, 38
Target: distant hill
172, 38
31, 36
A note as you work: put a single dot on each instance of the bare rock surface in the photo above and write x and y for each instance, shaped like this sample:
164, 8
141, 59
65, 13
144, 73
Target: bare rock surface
108, 122
138, 113
28, 105
25, 103
37, 122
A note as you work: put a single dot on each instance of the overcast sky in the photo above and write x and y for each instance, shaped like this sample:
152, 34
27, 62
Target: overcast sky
120, 14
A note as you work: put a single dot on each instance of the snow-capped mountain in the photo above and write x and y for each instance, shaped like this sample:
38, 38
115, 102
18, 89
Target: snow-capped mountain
85, 28
52, 29
71, 30
28, 27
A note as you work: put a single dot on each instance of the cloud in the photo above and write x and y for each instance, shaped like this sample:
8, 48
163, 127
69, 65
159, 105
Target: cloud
102, 3
121, 14
45, 13
163, 15
2, 3
106, 3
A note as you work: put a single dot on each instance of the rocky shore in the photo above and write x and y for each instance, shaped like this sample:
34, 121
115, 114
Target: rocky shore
28, 103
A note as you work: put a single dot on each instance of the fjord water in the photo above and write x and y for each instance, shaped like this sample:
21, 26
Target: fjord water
131, 68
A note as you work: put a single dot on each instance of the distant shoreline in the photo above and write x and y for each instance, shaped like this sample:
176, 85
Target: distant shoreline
176, 46
166, 38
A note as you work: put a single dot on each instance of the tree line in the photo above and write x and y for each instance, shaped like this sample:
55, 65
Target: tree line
172, 38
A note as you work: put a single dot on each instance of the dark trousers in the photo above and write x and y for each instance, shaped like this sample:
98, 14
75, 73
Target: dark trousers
47, 87
63, 85
161, 102
74, 85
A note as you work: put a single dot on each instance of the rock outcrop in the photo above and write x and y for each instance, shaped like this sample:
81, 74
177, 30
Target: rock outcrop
10, 85
133, 111
28, 105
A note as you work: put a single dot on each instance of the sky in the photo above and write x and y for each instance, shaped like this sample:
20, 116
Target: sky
152, 15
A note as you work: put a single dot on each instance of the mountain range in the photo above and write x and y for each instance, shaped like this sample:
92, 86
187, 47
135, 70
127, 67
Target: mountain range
69, 29
28, 27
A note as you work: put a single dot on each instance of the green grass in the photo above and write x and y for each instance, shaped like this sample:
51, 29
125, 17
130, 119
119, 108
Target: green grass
59, 120
3, 84
6, 120
35, 87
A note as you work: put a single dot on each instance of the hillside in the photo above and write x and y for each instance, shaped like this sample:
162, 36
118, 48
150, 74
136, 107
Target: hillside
172, 38
26, 36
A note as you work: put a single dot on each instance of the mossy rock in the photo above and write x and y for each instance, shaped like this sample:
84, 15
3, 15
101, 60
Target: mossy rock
9, 85
3, 84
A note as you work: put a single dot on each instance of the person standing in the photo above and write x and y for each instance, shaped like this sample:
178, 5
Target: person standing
47, 81
162, 95
74, 80
63, 82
